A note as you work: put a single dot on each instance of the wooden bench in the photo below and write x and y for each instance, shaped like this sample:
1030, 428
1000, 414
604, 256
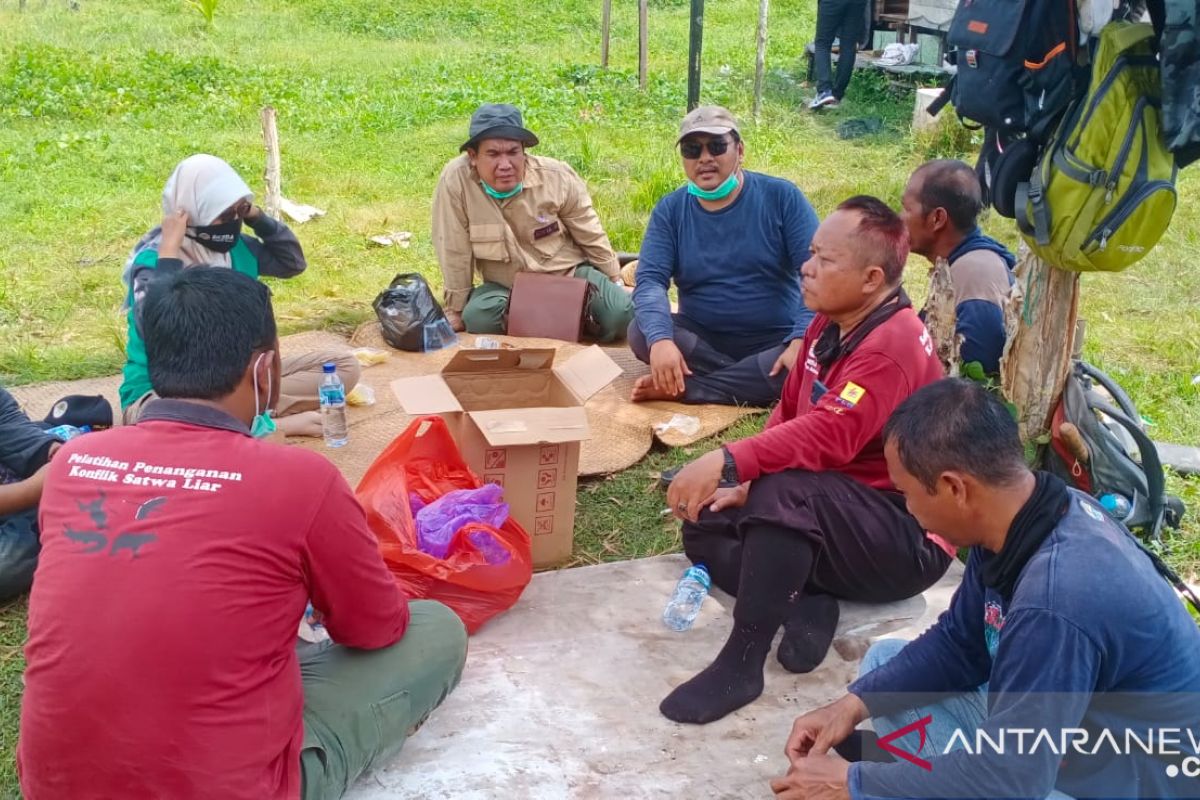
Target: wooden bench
866, 59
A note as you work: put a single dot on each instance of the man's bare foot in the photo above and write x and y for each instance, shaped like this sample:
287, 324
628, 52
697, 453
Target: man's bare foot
645, 391
306, 423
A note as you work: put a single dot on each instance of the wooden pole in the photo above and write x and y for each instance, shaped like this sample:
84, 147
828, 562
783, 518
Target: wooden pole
271, 142
695, 49
643, 39
605, 21
760, 59
1037, 357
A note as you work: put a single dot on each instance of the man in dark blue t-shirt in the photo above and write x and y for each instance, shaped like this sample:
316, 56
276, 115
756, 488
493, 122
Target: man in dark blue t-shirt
1065, 664
733, 242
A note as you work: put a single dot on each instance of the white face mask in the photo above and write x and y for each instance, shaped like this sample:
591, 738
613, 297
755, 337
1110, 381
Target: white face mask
263, 425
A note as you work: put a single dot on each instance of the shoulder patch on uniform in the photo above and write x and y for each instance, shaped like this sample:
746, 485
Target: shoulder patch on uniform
852, 393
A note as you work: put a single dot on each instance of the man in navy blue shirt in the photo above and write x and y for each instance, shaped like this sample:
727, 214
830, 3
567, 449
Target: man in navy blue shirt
733, 242
1062, 641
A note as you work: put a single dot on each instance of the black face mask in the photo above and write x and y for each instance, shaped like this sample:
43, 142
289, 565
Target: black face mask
219, 238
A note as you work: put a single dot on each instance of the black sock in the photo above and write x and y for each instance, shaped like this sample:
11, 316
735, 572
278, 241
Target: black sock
775, 567
734, 679
808, 632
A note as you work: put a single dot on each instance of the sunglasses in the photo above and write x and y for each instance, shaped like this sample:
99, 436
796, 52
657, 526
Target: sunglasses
691, 148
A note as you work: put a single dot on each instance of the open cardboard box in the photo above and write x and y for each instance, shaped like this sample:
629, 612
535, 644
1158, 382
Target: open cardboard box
518, 419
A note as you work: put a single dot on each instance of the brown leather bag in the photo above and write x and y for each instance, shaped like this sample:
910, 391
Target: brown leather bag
549, 306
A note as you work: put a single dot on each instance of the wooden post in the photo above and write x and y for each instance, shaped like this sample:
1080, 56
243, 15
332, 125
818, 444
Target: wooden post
1037, 357
271, 142
760, 59
605, 21
695, 49
643, 39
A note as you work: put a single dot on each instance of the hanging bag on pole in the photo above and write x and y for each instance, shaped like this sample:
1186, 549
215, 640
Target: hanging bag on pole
1015, 63
1103, 192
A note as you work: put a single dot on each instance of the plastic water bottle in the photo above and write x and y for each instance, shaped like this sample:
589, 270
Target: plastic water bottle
66, 433
1116, 505
333, 407
689, 595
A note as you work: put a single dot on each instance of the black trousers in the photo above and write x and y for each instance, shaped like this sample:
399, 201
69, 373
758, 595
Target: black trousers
726, 370
845, 21
862, 543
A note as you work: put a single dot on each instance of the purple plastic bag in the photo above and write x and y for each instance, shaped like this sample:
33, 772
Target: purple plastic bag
493, 552
440, 520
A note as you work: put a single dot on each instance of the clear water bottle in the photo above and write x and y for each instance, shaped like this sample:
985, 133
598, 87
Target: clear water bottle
1116, 505
689, 595
333, 407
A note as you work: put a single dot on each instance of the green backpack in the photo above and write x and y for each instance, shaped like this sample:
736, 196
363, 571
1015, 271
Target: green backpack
1103, 191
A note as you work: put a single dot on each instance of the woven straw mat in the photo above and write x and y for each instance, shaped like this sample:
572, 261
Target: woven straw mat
621, 432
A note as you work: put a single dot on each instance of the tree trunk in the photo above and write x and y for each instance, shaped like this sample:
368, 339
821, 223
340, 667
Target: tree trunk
272, 176
940, 317
1041, 323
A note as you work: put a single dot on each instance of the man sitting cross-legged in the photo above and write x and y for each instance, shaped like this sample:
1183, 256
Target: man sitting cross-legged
815, 517
1062, 633
499, 210
732, 241
178, 556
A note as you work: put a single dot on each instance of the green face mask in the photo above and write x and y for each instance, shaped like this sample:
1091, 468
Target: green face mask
501, 195
263, 425
719, 193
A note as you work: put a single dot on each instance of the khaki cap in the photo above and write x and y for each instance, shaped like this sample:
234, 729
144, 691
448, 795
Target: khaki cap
708, 119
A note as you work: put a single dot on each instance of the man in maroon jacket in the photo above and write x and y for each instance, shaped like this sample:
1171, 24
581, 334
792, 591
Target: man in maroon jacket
804, 513
178, 556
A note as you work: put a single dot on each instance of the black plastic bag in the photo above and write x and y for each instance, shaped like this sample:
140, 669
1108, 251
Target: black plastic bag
404, 309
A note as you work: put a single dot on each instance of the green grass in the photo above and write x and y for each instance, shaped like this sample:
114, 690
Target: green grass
98, 105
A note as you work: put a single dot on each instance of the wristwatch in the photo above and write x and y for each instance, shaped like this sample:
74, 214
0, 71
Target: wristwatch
729, 472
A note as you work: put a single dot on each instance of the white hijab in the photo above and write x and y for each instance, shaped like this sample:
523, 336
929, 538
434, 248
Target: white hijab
205, 187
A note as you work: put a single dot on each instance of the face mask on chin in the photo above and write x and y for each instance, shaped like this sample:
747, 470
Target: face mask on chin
490, 192
720, 193
219, 238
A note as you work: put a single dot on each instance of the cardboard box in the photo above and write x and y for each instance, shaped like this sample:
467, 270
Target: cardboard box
518, 419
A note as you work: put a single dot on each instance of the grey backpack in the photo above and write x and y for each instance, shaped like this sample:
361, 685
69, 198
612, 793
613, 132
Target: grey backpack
1098, 444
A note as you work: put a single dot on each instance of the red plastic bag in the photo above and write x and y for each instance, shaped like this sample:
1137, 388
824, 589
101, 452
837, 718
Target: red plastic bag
425, 461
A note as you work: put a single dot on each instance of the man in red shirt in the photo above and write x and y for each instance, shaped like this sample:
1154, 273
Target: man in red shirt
178, 556
804, 513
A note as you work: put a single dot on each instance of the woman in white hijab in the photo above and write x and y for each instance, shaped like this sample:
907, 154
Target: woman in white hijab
205, 206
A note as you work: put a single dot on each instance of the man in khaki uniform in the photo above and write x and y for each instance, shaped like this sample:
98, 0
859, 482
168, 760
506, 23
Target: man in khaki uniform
498, 211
